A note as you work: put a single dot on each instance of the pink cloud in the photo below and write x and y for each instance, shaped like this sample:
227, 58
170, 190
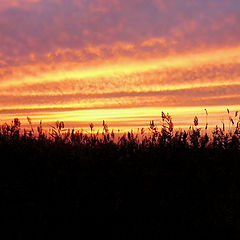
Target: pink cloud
32, 26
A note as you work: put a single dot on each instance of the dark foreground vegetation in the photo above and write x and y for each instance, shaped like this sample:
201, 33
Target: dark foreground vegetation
165, 183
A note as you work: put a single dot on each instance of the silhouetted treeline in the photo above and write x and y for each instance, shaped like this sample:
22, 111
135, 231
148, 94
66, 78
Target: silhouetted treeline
172, 183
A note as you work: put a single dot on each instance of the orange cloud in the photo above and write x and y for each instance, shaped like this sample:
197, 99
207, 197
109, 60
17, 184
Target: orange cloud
8, 4
153, 41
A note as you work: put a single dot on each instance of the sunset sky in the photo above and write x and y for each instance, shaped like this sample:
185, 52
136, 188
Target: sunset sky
124, 61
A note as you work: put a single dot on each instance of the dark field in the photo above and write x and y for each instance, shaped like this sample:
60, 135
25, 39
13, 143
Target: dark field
168, 184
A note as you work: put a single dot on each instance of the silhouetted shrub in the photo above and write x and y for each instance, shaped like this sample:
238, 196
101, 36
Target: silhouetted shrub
146, 184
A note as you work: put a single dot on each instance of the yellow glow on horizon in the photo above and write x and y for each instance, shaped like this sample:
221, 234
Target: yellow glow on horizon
128, 116
116, 109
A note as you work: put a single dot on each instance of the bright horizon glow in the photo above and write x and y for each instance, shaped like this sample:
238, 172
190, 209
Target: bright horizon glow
132, 118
